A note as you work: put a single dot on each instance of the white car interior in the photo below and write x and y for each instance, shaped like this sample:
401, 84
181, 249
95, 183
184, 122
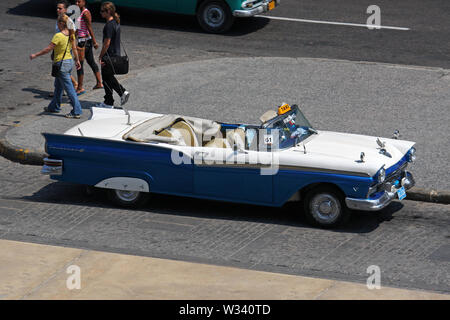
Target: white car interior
178, 130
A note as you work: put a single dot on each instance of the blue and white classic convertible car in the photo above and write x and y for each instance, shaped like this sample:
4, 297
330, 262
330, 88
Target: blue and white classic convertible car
283, 159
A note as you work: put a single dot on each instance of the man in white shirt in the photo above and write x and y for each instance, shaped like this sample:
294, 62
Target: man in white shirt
61, 8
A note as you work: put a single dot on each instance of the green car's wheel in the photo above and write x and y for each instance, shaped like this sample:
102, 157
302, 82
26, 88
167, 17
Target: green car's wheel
214, 16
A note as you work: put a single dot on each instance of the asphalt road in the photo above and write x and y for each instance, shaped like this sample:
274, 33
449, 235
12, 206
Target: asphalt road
408, 240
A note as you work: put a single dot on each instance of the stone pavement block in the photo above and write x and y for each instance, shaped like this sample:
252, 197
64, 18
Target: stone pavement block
26, 267
32, 271
115, 276
346, 290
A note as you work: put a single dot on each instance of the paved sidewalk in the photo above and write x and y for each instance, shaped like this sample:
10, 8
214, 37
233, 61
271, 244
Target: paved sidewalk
366, 98
34, 271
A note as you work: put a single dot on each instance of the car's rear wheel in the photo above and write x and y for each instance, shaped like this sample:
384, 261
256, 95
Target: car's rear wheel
127, 199
325, 207
214, 16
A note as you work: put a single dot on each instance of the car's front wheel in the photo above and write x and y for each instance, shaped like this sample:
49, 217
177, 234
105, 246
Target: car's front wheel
325, 207
215, 16
127, 199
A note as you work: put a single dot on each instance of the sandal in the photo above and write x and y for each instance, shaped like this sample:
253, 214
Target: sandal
80, 92
97, 87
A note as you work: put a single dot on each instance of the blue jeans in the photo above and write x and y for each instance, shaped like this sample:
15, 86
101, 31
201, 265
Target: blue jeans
63, 81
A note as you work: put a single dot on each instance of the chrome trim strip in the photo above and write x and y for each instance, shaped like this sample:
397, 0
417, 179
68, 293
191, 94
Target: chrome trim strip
282, 167
66, 149
310, 169
234, 165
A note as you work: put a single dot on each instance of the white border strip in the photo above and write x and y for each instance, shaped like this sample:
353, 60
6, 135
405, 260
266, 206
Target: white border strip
334, 23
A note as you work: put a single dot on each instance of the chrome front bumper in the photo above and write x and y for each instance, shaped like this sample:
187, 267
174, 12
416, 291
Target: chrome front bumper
263, 7
383, 200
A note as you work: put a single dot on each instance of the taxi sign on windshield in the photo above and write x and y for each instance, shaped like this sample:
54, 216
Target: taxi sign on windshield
283, 109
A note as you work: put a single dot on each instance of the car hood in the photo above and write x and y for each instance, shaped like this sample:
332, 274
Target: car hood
342, 151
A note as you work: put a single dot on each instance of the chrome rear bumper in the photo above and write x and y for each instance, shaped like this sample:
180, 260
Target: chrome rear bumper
383, 200
52, 167
263, 7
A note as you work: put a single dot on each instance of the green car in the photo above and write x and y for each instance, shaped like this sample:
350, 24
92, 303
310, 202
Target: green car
215, 16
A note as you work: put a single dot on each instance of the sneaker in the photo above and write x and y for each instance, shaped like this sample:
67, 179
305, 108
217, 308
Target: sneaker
124, 97
103, 105
71, 115
46, 109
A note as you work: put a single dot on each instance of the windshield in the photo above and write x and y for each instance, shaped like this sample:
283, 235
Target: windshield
292, 128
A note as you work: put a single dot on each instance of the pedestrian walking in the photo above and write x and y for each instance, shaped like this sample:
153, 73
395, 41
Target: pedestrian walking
86, 42
111, 48
61, 8
63, 62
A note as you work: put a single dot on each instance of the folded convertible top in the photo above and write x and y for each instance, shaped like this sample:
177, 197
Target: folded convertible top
149, 130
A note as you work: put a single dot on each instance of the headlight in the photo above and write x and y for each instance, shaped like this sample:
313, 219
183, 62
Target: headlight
381, 175
412, 155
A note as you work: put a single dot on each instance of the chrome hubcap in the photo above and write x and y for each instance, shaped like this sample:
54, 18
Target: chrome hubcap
127, 196
325, 208
214, 16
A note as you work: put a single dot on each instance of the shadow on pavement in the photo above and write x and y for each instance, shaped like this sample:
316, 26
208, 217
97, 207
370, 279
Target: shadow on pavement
289, 215
142, 18
43, 94
39, 94
184, 23
35, 8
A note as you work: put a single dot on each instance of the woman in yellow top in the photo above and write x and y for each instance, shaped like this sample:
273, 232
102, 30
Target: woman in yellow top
61, 46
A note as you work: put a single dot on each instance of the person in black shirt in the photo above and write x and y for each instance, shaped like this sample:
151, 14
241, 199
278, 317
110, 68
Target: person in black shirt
111, 47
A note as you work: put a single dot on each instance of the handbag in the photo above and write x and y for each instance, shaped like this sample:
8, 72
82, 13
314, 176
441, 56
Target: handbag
56, 66
119, 64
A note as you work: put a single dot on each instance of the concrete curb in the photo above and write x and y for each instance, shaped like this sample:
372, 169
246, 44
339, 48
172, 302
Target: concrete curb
18, 154
35, 158
425, 195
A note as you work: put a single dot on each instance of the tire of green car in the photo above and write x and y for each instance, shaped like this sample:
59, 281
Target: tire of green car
215, 16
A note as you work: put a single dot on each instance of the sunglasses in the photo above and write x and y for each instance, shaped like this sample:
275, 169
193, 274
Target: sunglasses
103, 10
